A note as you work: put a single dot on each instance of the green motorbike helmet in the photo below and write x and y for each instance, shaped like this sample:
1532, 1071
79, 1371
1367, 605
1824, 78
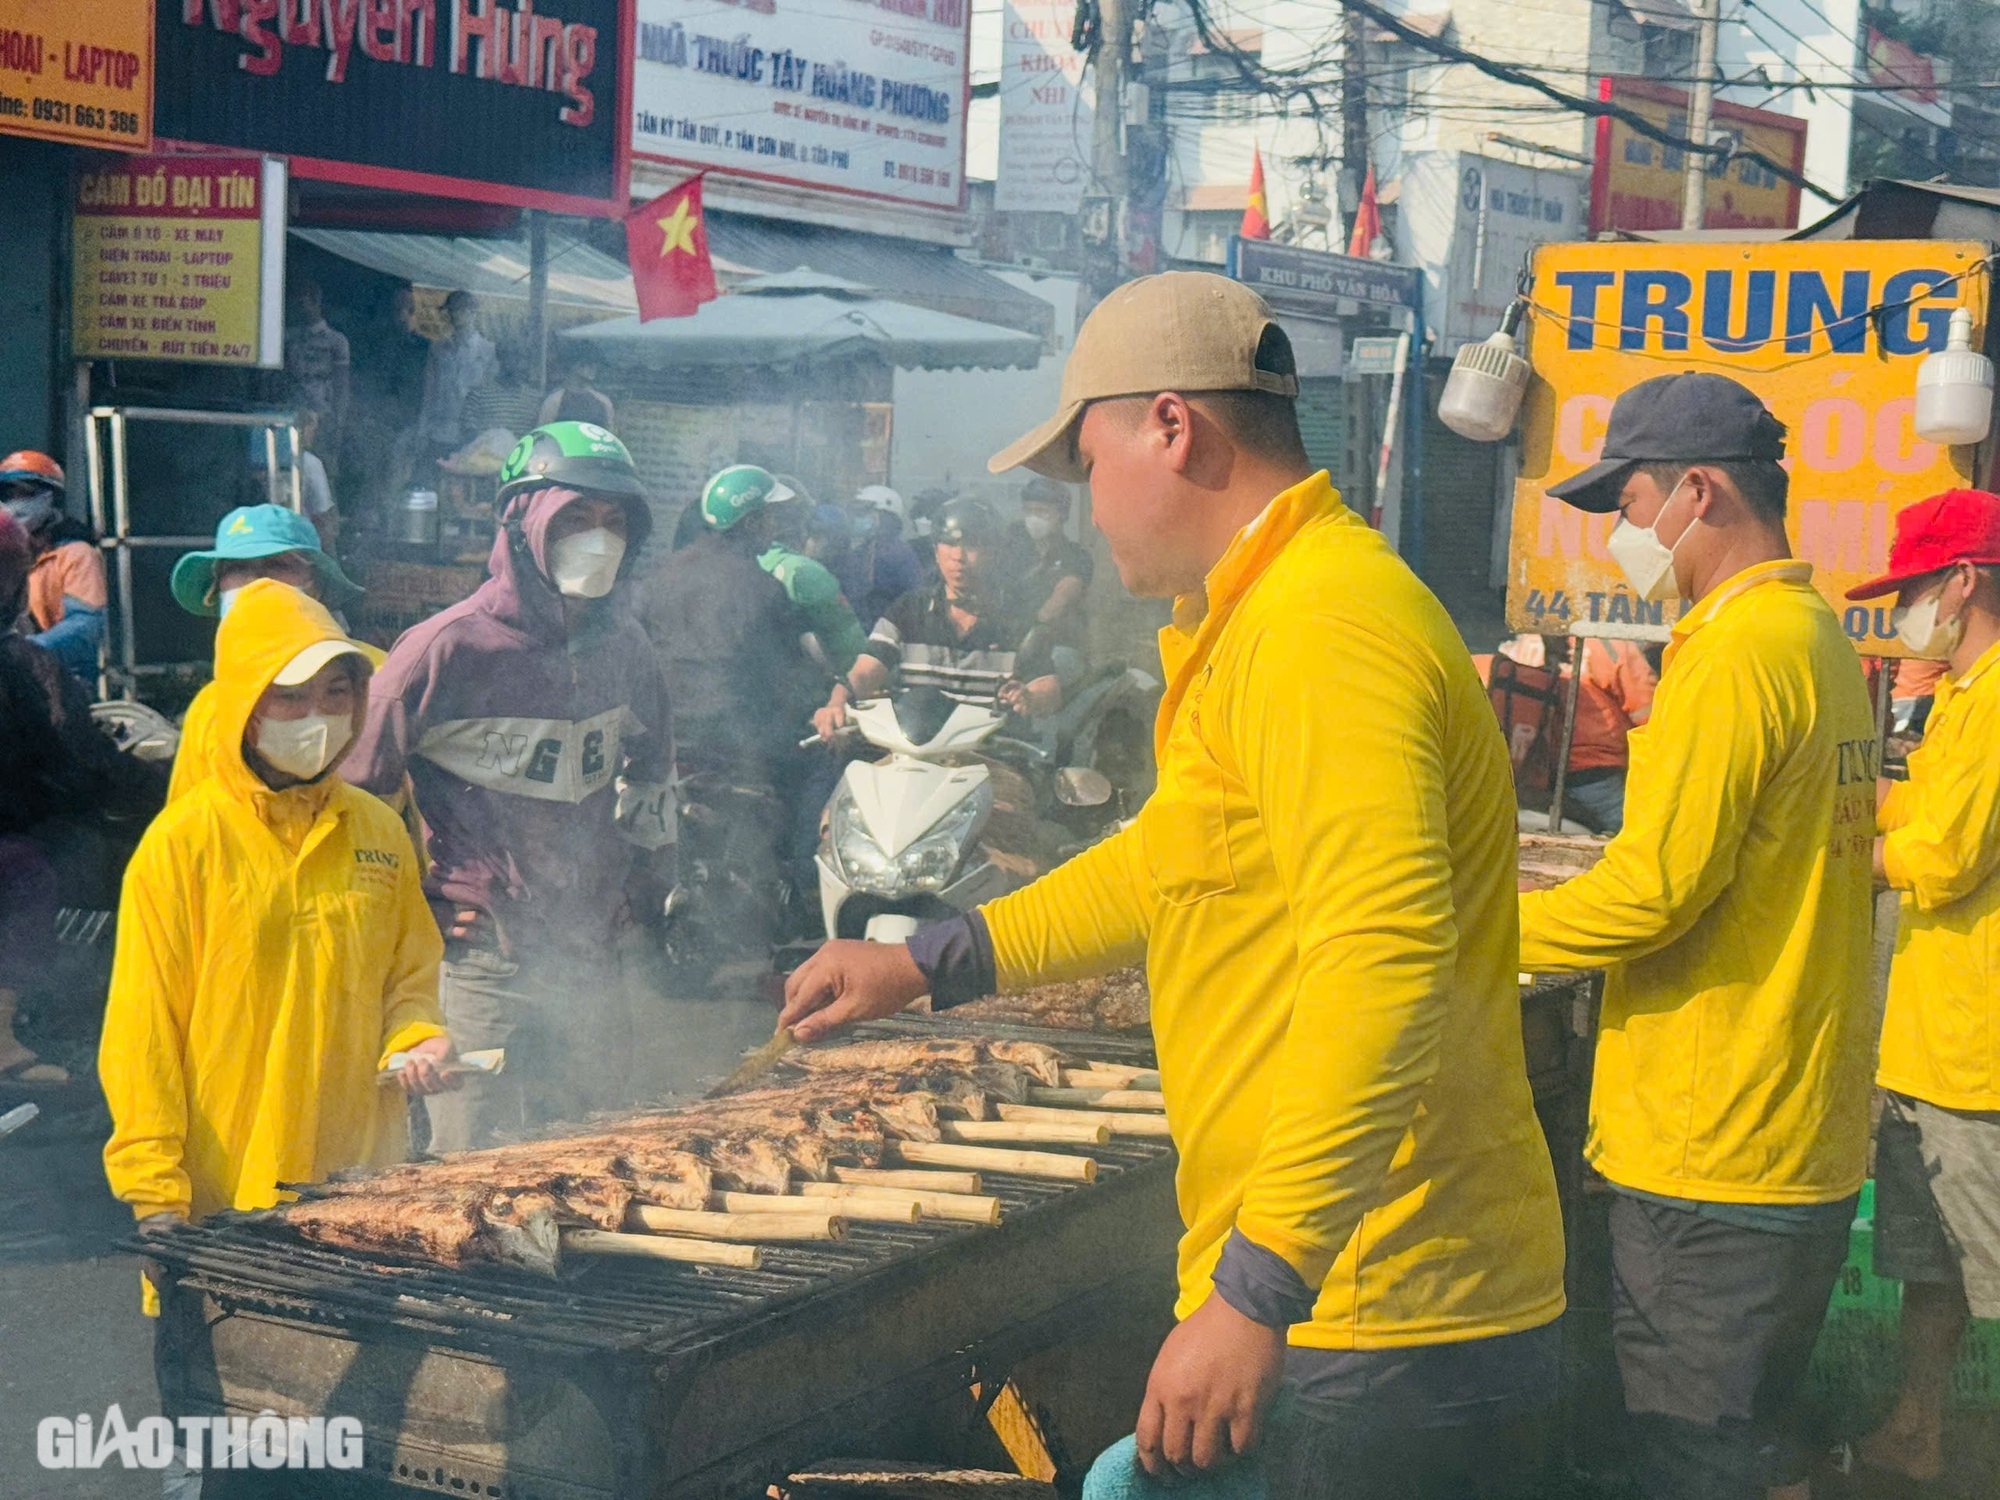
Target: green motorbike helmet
737, 491
576, 455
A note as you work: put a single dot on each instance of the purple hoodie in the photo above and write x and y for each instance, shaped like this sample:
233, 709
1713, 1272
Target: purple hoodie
542, 763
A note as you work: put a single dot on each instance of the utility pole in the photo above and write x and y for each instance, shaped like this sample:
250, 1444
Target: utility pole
1353, 113
1106, 204
1701, 106
538, 298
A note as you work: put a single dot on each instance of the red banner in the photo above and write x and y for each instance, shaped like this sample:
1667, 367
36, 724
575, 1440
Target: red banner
1897, 65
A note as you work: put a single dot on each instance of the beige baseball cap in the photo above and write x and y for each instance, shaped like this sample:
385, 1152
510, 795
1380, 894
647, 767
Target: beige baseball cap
1185, 331
308, 663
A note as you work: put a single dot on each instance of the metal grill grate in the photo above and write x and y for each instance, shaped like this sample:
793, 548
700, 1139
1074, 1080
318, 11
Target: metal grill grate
653, 1309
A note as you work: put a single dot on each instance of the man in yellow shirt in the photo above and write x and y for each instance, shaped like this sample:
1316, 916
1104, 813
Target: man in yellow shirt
1732, 912
1937, 1148
1323, 891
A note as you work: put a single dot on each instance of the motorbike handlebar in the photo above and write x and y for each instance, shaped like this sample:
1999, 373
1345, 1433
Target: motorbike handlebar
1032, 752
845, 732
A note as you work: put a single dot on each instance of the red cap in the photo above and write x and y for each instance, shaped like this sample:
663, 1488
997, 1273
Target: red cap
1957, 526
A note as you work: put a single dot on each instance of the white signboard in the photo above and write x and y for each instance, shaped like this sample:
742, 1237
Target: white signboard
1373, 356
1045, 111
1470, 223
859, 97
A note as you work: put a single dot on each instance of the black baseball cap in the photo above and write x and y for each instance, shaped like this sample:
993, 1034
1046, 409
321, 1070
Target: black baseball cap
1691, 418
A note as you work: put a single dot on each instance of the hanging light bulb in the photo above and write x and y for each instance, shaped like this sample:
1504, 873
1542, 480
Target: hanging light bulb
1955, 389
1483, 394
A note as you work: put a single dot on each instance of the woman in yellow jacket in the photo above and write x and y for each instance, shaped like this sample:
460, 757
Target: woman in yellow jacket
274, 946
1937, 1148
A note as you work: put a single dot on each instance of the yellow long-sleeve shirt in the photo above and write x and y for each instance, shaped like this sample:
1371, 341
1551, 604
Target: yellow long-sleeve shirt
273, 948
1323, 890
1941, 849
1733, 912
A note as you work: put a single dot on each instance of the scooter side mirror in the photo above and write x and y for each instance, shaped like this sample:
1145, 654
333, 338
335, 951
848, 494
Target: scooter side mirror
1079, 786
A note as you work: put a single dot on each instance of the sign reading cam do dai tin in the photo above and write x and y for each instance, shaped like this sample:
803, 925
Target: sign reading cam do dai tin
180, 258
1828, 334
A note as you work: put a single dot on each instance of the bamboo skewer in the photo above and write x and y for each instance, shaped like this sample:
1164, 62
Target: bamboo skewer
1051, 1164
1118, 1122
962, 1208
1115, 1075
913, 1182
661, 1247
806, 1223
1147, 1099
891, 1208
1029, 1132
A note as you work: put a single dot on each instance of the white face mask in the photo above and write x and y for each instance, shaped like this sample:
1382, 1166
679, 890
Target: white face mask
1917, 627
1039, 528
1646, 561
585, 566
225, 599
304, 747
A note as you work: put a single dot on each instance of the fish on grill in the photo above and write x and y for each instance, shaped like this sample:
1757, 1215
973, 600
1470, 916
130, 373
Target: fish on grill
899, 1056
1112, 1002
598, 1177
908, 1116
914, 1057
508, 1204
457, 1226
1039, 1061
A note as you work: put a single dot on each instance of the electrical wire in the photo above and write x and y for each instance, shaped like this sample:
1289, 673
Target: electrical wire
1505, 73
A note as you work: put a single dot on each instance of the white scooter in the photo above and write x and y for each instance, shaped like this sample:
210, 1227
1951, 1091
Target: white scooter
902, 842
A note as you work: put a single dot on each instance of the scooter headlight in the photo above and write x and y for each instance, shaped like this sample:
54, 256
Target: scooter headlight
927, 865
857, 858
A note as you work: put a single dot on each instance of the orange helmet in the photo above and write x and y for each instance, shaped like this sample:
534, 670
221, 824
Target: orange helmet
28, 466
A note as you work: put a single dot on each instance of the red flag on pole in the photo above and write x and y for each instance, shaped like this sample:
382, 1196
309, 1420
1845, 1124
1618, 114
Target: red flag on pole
1367, 220
1256, 213
667, 243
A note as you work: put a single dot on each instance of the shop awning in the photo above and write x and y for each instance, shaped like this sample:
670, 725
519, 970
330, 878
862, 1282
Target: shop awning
579, 276
803, 316
929, 276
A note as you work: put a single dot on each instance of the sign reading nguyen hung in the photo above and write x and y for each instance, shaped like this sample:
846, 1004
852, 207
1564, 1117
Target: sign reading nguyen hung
1829, 334
519, 103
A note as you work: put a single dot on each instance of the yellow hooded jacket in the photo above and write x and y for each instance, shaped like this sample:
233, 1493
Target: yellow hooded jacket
273, 949
1323, 890
1941, 1034
1734, 912
201, 747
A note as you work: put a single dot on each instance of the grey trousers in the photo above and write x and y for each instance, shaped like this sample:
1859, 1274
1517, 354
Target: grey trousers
1714, 1326
566, 1023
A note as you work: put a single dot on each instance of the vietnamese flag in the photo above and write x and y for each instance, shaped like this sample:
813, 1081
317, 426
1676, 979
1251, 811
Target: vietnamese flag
1256, 213
667, 243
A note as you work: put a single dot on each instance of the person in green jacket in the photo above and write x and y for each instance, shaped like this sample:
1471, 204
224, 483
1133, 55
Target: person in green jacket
823, 612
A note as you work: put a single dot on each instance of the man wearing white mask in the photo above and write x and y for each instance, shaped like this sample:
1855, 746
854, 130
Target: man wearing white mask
1051, 574
1732, 914
534, 726
1937, 1148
